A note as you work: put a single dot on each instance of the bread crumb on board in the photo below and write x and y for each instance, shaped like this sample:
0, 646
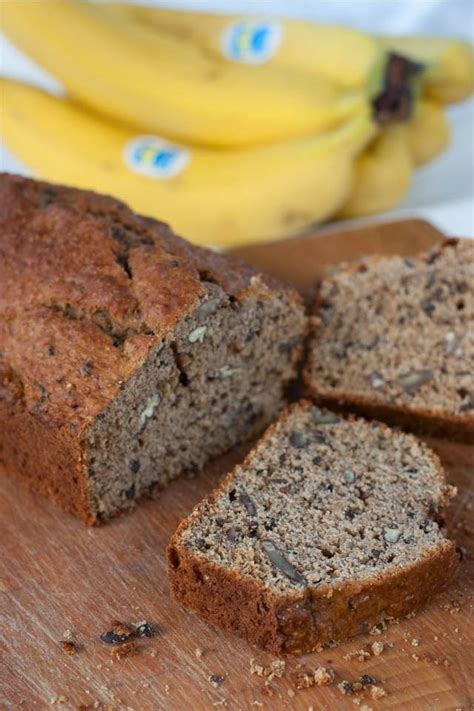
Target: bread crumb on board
372, 650
274, 669
360, 654
345, 687
125, 650
320, 676
377, 648
70, 648
119, 633
365, 683
57, 700
377, 692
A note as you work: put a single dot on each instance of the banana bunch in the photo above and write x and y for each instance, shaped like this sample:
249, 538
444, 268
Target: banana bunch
211, 196
152, 79
233, 129
340, 55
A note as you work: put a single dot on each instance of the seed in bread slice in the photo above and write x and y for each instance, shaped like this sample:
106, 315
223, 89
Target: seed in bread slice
328, 527
395, 341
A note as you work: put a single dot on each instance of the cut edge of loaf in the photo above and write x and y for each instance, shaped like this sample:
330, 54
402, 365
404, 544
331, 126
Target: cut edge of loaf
314, 617
421, 421
185, 432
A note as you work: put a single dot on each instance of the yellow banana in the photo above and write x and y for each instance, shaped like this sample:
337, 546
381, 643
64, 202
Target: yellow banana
427, 132
449, 76
158, 82
383, 174
341, 55
211, 196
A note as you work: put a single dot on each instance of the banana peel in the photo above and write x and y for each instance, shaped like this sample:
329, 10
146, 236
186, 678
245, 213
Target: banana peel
160, 83
342, 55
382, 175
428, 132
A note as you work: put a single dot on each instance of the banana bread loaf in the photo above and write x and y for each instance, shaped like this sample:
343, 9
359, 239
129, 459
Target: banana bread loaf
328, 527
395, 341
127, 356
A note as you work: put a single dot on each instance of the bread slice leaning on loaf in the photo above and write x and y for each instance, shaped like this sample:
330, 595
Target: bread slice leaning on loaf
328, 527
127, 355
394, 340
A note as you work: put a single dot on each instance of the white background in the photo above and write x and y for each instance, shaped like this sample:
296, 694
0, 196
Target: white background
443, 191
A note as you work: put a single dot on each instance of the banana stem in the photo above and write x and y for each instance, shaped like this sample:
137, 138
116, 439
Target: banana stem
395, 102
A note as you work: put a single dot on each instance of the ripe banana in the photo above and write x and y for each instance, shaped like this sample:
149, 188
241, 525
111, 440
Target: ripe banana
213, 197
449, 76
427, 132
341, 55
383, 174
158, 82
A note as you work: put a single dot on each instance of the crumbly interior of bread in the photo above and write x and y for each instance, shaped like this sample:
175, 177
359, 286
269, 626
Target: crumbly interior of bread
219, 381
400, 331
322, 500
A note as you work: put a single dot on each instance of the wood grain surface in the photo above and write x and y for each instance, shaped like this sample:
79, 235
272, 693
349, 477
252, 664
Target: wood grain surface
303, 260
62, 582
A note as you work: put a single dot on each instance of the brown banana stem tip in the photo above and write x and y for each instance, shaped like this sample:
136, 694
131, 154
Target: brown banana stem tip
395, 102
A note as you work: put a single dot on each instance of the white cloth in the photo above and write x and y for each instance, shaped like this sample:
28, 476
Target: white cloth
442, 191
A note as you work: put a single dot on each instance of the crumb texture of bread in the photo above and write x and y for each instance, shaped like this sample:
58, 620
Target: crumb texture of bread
127, 355
394, 340
328, 527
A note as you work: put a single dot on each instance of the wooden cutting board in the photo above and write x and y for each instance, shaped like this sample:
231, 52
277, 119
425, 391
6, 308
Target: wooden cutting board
60, 580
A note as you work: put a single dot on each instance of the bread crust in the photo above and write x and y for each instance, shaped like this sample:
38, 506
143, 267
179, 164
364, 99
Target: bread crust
80, 273
300, 625
311, 618
413, 419
48, 460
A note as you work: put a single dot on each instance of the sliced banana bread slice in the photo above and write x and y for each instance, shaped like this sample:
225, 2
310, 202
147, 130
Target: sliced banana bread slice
395, 341
127, 355
328, 527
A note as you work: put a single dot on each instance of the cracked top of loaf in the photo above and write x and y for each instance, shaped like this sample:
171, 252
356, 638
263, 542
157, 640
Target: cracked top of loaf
83, 277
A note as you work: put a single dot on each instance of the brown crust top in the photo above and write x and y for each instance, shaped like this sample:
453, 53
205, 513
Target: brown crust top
299, 623
84, 278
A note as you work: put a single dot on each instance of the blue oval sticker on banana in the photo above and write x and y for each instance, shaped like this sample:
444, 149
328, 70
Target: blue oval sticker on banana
155, 157
251, 41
